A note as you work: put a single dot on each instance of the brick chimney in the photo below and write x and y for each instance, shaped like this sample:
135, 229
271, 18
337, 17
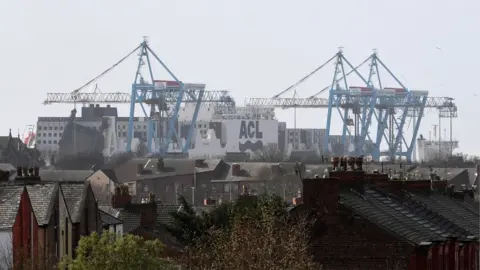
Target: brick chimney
121, 198
28, 174
350, 172
321, 193
147, 209
236, 169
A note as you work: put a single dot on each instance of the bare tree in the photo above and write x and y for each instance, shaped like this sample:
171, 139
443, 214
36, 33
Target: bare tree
269, 153
267, 242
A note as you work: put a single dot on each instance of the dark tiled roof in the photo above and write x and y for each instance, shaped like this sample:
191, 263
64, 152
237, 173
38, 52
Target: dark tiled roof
10, 197
74, 194
393, 216
163, 212
464, 215
110, 173
42, 197
65, 175
131, 221
108, 219
128, 171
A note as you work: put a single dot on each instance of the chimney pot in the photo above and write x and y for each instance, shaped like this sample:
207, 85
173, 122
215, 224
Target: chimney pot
151, 198
36, 172
19, 172
139, 168
25, 171
30, 171
160, 165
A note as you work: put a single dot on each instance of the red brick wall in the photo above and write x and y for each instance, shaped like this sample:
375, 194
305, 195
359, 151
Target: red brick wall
23, 238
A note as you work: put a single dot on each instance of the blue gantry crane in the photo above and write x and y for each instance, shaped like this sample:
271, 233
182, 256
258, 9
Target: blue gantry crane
165, 98
387, 107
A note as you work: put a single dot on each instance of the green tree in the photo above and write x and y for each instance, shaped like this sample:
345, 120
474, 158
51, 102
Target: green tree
110, 252
189, 225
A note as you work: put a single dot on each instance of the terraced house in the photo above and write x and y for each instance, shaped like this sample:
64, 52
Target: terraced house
372, 221
42, 221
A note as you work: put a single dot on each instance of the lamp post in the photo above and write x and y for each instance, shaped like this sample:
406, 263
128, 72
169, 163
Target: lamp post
194, 184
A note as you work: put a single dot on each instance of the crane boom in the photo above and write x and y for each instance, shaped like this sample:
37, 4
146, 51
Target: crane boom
432, 102
118, 97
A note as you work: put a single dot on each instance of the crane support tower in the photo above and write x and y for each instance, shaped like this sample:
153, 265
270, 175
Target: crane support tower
372, 103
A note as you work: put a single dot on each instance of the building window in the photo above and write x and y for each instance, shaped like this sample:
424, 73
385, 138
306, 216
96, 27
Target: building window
49, 128
54, 141
55, 128
124, 134
39, 127
49, 134
61, 128
119, 134
44, 141
144, 126
60, 134
44, 134
54, 134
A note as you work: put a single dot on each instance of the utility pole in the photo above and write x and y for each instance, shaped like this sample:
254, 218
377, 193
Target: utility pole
194, 186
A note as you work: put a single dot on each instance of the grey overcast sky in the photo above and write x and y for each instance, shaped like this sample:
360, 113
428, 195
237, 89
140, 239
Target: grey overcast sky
252, 48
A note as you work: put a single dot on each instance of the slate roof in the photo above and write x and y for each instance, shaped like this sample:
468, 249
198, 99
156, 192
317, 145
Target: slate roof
42, 197
108, 219
109, 210
131, 221
74, 194
7, 167
413, 221
10, 197
463, 214
65, 175
163, 212
128, 171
